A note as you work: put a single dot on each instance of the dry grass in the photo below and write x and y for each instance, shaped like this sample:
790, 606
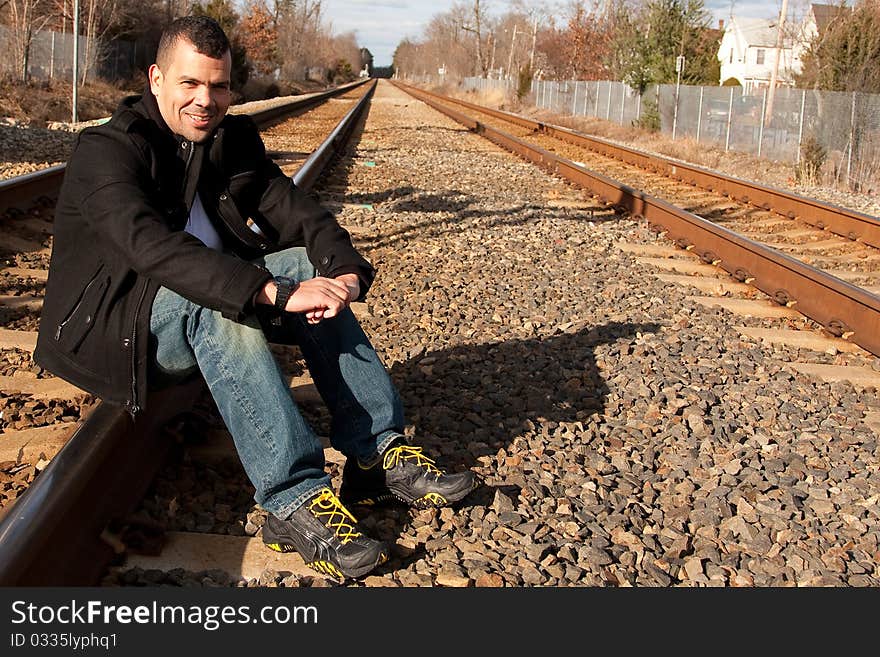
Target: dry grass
38, 103
740, 165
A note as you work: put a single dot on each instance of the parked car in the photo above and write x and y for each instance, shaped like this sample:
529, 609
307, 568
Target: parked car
716, 110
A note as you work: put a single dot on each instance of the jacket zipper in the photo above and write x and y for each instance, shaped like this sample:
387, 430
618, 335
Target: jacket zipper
133, 407
191, 146
75, 308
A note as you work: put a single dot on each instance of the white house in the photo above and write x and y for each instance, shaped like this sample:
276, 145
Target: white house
748, 47
748, 52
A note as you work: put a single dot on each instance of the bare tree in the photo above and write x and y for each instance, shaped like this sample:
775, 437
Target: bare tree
26, 18
98, 16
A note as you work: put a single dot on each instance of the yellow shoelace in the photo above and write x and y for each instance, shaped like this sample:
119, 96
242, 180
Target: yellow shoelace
407, 452
327, 504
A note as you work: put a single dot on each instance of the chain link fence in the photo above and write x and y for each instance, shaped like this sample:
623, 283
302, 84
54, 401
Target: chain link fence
51, 56
834, 131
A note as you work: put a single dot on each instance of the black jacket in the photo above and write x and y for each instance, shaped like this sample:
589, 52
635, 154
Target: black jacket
118, 237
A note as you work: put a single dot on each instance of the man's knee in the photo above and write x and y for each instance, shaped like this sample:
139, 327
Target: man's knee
293, 262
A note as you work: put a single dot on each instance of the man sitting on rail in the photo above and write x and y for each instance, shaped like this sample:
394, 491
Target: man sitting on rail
156, 273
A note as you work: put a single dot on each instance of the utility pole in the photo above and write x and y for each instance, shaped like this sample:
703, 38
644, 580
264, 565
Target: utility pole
532, 54
510, 55
478, 19
74, 116
492, 60
775, 74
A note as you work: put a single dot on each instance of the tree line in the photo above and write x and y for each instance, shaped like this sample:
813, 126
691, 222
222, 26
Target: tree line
272, 39
633, 41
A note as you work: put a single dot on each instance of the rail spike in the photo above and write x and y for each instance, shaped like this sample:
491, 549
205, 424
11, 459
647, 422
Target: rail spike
838, 328
782, 297
709, 258
741, 275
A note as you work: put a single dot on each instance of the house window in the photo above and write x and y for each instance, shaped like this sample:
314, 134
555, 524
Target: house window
760, 59
730, 61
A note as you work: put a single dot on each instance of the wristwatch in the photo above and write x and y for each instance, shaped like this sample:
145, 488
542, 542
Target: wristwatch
284, 286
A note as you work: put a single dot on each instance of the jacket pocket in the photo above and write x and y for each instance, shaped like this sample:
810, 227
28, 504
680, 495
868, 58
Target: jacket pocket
75, 326
247, 189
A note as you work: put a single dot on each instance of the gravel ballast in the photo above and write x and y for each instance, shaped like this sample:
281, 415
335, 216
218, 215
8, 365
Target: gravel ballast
627, 436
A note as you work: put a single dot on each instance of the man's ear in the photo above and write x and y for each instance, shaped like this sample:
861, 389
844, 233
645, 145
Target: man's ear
156, 79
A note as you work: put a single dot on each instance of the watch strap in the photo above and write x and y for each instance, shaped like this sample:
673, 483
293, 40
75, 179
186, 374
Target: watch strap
283, 289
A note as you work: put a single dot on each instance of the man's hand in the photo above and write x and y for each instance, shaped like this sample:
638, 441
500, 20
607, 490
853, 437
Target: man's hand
319, 298
353, 283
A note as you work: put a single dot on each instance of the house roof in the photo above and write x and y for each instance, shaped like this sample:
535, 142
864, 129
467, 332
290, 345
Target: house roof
757, 31
824, 14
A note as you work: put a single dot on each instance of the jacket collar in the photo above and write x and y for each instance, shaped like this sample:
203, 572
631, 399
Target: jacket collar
150, 108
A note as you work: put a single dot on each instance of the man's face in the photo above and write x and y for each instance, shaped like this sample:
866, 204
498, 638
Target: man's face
192, 91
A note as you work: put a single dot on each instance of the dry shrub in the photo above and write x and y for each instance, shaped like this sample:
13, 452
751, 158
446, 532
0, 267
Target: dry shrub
866, 177
491, 98
813, 156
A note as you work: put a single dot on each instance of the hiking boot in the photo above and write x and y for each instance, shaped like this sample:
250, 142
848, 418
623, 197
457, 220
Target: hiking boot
327, 538
403, 473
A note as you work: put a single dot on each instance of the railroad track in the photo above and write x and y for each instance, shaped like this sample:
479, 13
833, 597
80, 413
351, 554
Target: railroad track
93, 462
767, 239
626, 434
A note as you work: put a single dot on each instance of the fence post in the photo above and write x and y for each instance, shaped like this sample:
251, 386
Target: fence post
596, 108
638, 107
608, 105
729, 117
74, 118
700, 115
761, 129
586, 96
574, 101
852, 141
622, 102
801, 126
657, 100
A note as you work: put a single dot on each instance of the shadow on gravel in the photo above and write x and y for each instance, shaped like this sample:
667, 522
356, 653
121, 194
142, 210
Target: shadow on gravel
472, 400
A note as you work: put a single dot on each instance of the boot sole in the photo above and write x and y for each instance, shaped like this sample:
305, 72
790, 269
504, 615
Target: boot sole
429, 501
330, 569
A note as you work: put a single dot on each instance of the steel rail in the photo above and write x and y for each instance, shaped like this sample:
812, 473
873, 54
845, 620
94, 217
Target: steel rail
57, 533
844, 309
20, 191
844, 222
308, 173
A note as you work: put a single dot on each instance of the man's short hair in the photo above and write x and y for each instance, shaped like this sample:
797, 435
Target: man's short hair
204, 33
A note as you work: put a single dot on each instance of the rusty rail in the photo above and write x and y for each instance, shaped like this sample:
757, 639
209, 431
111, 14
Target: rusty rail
844, 222
844, 309
20, 192
55, 533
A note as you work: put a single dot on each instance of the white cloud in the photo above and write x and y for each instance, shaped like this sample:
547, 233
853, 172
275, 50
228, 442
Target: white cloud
381, 25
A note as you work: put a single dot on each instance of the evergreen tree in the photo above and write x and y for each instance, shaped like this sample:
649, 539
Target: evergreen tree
224, 13
846, 57
648, 46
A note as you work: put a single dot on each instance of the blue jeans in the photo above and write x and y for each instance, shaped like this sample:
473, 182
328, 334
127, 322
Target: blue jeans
280, 452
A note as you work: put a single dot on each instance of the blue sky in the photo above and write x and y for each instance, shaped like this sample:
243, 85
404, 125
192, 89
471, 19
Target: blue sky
381, 24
